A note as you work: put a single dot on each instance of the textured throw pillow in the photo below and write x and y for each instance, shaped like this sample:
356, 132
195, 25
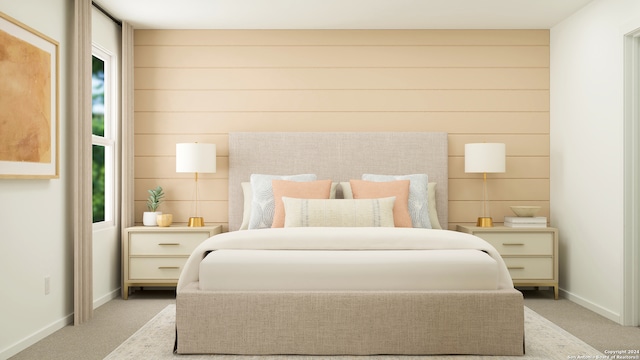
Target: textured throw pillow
339, 213
418, 202
262, 201
433, 212
363, 189
319, 189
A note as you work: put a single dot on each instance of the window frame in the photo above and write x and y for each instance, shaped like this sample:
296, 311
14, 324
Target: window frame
108, 141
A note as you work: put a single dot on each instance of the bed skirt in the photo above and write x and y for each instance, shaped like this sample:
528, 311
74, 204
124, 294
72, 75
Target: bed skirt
349, 323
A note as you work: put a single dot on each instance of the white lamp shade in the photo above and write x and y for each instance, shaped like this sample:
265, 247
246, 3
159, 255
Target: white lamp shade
484, 158
195, 158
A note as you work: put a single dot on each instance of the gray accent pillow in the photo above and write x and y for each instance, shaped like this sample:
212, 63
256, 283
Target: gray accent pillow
418, 197
262, 201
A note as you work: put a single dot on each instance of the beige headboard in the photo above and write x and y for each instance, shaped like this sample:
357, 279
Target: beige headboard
339, 156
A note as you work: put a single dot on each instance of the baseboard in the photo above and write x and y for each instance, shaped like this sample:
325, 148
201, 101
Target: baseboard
52, 328
37, 336
105, 299
591, 306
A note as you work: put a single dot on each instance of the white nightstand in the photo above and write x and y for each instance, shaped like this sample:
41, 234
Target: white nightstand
155, 256
531, 254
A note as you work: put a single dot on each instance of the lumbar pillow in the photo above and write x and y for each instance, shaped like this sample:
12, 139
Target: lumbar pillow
363, 189
262, 201
319, 189
338, 213
418, 198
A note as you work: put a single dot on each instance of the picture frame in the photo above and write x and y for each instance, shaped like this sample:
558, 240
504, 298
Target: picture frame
29, 102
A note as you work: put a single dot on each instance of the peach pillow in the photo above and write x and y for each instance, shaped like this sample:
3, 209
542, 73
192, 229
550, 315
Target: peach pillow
363, 189
319, 189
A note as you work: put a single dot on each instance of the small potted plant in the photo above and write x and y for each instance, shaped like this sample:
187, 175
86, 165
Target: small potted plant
149, 218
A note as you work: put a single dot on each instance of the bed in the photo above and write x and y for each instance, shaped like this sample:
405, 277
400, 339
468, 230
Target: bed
345, 289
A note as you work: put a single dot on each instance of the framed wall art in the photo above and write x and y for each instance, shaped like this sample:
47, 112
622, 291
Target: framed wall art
29, 101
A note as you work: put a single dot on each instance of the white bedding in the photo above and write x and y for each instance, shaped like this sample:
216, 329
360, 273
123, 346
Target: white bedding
342, 239
349, 270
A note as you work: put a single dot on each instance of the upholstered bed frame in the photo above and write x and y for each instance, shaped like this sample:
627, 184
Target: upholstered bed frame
355, 323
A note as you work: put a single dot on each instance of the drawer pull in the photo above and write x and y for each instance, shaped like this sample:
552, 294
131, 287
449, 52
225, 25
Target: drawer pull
169, 244
514, 244
515, 267
168, 267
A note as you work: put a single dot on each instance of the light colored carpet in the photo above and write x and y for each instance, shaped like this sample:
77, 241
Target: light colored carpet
543, 340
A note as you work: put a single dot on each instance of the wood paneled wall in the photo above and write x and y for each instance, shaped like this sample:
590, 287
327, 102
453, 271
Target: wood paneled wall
477, 85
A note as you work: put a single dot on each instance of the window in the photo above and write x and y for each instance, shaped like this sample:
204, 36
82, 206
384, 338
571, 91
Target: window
103, 138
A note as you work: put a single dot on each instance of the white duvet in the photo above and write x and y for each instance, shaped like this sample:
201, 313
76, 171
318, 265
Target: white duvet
341, 239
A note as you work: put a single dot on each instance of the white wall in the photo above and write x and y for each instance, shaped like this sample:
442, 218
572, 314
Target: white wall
35, 233
587, 151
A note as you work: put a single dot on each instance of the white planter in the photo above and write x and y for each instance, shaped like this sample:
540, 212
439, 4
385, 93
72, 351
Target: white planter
150, 218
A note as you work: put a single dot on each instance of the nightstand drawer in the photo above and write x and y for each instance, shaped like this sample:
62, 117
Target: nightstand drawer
156, 268
165, 243
533, 243
530, 268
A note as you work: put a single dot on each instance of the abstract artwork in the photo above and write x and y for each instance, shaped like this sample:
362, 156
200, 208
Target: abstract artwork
28, 102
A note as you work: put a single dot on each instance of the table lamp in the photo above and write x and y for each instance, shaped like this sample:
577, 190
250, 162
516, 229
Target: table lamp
196, 158
484, 158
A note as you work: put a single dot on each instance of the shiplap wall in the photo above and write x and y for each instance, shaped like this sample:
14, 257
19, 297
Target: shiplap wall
477, 85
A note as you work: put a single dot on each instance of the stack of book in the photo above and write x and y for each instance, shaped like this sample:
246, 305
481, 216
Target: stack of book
525, 221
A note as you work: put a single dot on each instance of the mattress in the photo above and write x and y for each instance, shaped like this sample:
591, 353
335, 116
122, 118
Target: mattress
350, 270
340, 239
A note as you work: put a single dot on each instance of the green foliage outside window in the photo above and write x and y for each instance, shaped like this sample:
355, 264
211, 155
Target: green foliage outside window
98, 150
97, 92
98, 183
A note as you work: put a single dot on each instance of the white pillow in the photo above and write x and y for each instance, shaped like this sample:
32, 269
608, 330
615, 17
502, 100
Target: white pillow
246, 207
338, 213
347, 193
418, 198
433, 212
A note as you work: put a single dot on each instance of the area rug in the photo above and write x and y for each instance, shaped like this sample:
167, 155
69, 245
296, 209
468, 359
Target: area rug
543, 341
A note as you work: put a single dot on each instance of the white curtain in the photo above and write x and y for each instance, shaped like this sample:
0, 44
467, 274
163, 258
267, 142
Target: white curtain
82, 164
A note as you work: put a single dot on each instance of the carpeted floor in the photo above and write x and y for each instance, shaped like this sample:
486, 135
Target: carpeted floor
118, 319
543, 340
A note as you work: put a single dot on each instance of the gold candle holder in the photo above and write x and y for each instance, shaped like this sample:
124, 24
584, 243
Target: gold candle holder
164, 220
196, 221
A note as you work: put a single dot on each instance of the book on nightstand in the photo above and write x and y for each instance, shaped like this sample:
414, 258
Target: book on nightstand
525, 221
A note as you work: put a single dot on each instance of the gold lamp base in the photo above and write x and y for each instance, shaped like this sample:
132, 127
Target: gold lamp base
485, 222
196, 221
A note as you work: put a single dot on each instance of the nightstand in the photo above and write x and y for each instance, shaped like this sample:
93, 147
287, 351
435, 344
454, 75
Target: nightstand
531, 254
155, 256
